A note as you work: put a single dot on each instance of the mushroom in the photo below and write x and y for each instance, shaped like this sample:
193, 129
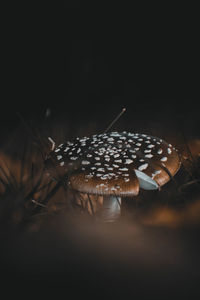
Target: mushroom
115, 165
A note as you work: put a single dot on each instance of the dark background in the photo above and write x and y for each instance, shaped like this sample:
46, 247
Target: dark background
86, 66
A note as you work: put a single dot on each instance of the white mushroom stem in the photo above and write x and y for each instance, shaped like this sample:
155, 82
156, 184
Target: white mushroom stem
111, 209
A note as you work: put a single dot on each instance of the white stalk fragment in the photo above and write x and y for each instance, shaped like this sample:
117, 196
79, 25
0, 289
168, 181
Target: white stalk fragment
146, 183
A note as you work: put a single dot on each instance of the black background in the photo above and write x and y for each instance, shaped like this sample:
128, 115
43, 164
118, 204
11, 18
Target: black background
91, 62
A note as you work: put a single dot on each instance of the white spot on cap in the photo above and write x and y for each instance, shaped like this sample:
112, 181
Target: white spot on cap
110, 139
148, 156
79, 150
126, 179
88, 155
132, 151
104, 177
62, 163
155, 173
138, 144
147, 151
125, 175
59, 157
73, 158
143, 167
159, 151
114, 134
57, 150
150, 146
97, 158
169, 150
98, 174
84, 139
89, 176
112, 174
101, 170
123, 169
128, 161
85, 162
164, 158
102, 184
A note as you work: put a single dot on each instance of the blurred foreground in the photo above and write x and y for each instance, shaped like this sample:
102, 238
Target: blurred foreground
152, 249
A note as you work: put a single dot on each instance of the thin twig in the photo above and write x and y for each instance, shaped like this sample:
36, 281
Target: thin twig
185, 185
91, 206
38, 203
115, 120
117, 199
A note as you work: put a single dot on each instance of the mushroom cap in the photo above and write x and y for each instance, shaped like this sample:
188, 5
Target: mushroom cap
125, 184
118, 163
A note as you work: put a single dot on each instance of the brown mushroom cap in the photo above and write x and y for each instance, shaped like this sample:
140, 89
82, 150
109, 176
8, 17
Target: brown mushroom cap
117, 163
126, 184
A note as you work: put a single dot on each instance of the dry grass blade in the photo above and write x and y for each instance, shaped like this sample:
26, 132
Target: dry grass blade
189, 183
7, 181
91, 205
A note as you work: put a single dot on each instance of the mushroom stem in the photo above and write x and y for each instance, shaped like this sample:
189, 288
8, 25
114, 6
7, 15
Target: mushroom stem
111, 209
